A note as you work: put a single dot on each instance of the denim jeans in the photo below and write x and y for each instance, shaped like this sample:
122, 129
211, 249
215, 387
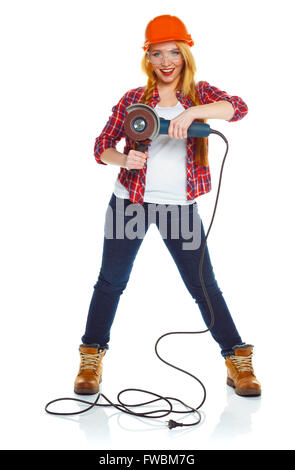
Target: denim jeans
120, 248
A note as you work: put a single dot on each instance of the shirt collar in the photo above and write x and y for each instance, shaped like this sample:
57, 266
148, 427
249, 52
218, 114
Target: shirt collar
156, 96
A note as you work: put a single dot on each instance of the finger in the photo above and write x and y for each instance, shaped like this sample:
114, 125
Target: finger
178, 132
171, 130
136, 154
141, 154
182, 132
140, 160
174, 132
136, 161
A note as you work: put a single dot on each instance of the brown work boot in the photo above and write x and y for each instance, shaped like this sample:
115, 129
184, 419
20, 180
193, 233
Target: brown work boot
240, 373
90, 372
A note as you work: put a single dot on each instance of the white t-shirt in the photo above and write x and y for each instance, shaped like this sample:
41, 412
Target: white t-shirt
166, 168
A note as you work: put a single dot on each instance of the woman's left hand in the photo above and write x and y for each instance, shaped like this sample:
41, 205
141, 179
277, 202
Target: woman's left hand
178, 126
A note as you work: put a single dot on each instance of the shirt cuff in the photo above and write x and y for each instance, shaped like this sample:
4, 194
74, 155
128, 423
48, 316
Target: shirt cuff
240, 108
101, 144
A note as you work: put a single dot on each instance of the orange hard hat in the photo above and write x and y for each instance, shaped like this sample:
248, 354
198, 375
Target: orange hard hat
166, 28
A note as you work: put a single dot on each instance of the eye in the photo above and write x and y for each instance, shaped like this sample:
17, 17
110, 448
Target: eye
176, 52
154, 54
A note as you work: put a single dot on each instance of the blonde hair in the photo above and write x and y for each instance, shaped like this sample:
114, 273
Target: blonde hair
187, 85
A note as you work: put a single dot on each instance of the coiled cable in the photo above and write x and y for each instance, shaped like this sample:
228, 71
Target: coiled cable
121, 406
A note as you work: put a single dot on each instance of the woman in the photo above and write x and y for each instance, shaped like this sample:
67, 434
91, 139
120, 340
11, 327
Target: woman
174, 172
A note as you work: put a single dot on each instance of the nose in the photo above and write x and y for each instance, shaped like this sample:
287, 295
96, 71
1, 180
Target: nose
165, 60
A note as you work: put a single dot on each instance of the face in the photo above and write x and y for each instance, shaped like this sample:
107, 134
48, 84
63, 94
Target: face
166, 48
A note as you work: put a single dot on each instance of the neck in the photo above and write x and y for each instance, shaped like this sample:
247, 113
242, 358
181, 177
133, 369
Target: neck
171, 88
168, 88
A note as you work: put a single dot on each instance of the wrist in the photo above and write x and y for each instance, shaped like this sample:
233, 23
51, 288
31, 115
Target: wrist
125, 161
196, 112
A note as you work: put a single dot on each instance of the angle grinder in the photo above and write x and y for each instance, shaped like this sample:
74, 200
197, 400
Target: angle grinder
143, 125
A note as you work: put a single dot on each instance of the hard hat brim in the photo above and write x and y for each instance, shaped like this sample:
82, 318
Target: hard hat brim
188, 41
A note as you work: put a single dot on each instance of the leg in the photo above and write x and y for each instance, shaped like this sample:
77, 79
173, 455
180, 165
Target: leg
118, 257
187, 261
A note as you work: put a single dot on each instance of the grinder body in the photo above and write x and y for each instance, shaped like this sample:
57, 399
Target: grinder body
143, 124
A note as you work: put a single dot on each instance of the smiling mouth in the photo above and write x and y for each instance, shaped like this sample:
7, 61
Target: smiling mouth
168, 72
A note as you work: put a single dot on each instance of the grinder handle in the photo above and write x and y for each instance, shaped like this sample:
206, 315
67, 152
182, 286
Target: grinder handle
196, 129
141, 147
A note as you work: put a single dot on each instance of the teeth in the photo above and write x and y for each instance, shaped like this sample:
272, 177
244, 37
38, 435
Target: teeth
167, 70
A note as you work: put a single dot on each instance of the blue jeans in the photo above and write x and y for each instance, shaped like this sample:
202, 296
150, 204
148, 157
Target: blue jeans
120, 249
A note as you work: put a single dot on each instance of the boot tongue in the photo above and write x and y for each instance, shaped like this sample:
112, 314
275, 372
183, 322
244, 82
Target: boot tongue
243, 351
88, 350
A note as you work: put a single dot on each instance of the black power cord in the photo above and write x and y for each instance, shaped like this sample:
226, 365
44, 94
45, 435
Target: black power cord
123, 407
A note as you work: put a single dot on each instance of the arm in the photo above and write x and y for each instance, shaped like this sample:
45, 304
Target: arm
217, 104
105, 145
110, 136
113, 157
218, 110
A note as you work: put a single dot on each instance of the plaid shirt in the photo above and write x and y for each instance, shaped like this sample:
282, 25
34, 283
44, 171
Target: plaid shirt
198, 177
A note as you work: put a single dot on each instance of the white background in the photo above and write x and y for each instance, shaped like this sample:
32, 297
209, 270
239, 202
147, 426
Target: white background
64, 64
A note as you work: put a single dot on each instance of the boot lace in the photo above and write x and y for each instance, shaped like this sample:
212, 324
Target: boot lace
89, 361
243, 363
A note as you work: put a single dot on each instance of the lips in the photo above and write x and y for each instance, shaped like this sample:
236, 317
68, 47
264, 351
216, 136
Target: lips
168, 72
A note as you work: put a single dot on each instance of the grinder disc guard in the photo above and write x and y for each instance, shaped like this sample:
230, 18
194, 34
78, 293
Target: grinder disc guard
141, 122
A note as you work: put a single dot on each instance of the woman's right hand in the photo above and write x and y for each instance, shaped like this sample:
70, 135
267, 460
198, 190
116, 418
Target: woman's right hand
135, 160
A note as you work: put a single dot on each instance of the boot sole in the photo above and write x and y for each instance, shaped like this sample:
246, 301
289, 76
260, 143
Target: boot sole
250, 392
86, 391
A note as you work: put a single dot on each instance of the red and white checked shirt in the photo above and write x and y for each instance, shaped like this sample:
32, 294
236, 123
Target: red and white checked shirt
198, 177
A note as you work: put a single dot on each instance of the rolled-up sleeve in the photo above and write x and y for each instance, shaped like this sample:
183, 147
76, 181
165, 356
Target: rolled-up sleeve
210, 94
112, 133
